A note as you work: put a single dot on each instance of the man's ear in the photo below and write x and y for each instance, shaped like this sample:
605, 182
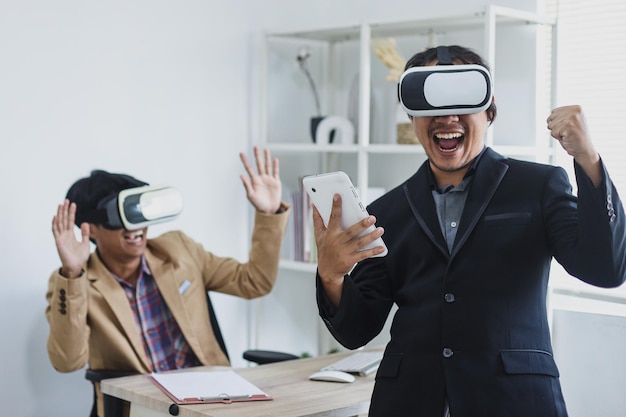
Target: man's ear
93, 228
490, 112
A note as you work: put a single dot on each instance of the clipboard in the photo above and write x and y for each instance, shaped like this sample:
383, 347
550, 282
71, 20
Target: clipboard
205, 387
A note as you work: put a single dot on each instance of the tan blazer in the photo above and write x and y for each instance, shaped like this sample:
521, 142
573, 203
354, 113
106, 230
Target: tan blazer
91, 322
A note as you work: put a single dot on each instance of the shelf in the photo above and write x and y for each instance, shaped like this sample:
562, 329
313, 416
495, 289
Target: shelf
396, 149
311, 148
593, 293
330, 34
524, 151
417, 27
351, 83
375, 161
296, 266
372, 149
400, 149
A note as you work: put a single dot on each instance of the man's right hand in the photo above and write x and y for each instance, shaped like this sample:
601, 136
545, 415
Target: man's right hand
339, 250
73, 253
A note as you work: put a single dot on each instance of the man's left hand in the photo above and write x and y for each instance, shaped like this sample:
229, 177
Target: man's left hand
264, 188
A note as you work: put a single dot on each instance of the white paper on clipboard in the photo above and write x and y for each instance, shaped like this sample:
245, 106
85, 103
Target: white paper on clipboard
208, 386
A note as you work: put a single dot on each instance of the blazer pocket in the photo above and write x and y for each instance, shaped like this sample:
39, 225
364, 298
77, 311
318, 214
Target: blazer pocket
524, 361
508, 219
389, 366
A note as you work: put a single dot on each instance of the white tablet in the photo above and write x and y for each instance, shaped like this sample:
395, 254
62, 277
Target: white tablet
322, 187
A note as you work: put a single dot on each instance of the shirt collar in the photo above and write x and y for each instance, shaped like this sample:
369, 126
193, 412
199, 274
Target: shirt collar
143, 271
466, 178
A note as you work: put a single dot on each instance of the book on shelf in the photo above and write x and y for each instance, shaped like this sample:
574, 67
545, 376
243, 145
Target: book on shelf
302, 231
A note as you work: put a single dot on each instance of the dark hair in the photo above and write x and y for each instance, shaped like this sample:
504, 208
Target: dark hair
88, 193
457, 54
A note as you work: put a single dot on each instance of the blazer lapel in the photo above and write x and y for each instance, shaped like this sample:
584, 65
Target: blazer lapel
491, 169
169, 284
115, 297
423, 207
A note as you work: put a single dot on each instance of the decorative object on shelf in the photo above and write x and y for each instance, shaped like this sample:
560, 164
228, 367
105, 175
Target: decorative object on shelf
329, 126
404, 127
386, 52
304, 53
313, 126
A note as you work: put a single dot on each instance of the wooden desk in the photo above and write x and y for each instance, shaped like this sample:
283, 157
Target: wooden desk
287, 382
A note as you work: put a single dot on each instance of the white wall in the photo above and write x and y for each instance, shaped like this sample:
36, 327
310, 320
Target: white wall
163, 90
590, 352
157, 89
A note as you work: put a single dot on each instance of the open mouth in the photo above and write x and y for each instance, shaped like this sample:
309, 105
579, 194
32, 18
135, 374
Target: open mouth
135, 236
448, 142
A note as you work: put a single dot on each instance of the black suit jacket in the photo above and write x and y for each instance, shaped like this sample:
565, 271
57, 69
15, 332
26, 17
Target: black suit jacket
471, 326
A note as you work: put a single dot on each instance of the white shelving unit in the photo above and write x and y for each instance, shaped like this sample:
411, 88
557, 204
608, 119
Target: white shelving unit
351, 83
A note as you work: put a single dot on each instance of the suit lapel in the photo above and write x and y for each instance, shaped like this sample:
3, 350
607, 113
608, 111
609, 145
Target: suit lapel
484, 185
115, 297
486, 180
169, 284
423, 207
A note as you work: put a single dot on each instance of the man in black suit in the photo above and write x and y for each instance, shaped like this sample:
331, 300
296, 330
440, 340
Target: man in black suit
471, 236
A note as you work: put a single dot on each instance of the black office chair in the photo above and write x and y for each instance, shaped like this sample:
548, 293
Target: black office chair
114, 406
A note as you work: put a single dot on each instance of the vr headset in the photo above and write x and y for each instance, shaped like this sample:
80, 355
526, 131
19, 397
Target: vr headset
138, 207
444, 89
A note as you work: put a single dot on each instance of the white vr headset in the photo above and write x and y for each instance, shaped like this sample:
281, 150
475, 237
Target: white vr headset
138, 207
441, 90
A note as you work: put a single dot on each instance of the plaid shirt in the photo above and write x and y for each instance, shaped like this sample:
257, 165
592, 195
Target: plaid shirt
162, 339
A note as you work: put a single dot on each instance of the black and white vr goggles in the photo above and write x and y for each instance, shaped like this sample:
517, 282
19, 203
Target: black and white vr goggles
138, 207
444, 89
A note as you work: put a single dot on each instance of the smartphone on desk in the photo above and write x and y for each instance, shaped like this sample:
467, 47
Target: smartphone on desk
322, 187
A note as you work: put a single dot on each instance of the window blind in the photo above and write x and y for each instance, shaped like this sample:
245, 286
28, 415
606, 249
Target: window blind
591, 71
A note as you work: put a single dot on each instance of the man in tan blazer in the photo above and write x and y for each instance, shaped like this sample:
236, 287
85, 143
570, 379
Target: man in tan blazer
140, 304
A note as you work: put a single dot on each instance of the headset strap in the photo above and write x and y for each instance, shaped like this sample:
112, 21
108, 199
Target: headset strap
443, 56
